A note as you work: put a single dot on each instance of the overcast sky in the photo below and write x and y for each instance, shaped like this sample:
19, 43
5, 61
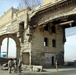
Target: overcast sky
70, 46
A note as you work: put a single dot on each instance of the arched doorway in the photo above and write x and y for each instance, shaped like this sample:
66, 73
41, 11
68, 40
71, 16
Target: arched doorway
8, 45
12, 42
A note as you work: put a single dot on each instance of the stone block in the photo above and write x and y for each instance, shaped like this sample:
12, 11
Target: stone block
37, 68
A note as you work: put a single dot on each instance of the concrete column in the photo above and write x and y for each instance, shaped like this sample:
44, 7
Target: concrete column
30, 59
18, 51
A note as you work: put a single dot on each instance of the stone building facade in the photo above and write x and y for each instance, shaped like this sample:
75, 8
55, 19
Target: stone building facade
40, 33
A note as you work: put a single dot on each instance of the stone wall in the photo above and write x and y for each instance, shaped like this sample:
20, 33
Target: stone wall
46, 54
7, 16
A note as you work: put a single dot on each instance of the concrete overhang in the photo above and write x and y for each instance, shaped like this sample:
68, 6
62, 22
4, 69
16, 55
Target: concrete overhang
62, 23
44, 7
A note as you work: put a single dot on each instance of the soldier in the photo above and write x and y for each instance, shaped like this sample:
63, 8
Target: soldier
9, 65
56, 64
20, 65
15, 65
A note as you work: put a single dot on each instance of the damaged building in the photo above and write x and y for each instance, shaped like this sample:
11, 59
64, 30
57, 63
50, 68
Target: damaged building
40, 33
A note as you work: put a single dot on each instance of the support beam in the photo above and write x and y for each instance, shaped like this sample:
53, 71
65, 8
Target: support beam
68, 22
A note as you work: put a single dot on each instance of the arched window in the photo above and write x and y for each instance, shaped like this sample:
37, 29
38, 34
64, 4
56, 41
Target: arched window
45, 41
46, 27
53, 43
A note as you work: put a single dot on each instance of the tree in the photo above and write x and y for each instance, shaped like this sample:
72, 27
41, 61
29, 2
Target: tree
29, 3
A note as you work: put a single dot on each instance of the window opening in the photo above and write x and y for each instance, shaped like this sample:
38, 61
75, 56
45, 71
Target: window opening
53, 29
54, 43
45, 41
46, 27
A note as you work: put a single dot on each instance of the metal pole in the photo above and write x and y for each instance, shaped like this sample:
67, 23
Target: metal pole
7, 46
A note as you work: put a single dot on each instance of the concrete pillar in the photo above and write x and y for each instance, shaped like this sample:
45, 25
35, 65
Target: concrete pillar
30, 58
18, 49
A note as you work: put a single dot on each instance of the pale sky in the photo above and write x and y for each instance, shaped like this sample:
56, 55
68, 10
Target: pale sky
70, 46
7, 4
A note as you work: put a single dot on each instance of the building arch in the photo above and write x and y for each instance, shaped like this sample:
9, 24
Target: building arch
16, 39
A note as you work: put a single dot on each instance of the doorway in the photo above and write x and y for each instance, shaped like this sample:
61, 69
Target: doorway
52, 60
25, 58
8, 48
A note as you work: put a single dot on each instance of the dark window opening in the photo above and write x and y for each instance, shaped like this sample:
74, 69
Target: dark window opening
46, 27
52, 60
53, 29
21, 26
45, 41
54, 43
64, 39
21, 31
